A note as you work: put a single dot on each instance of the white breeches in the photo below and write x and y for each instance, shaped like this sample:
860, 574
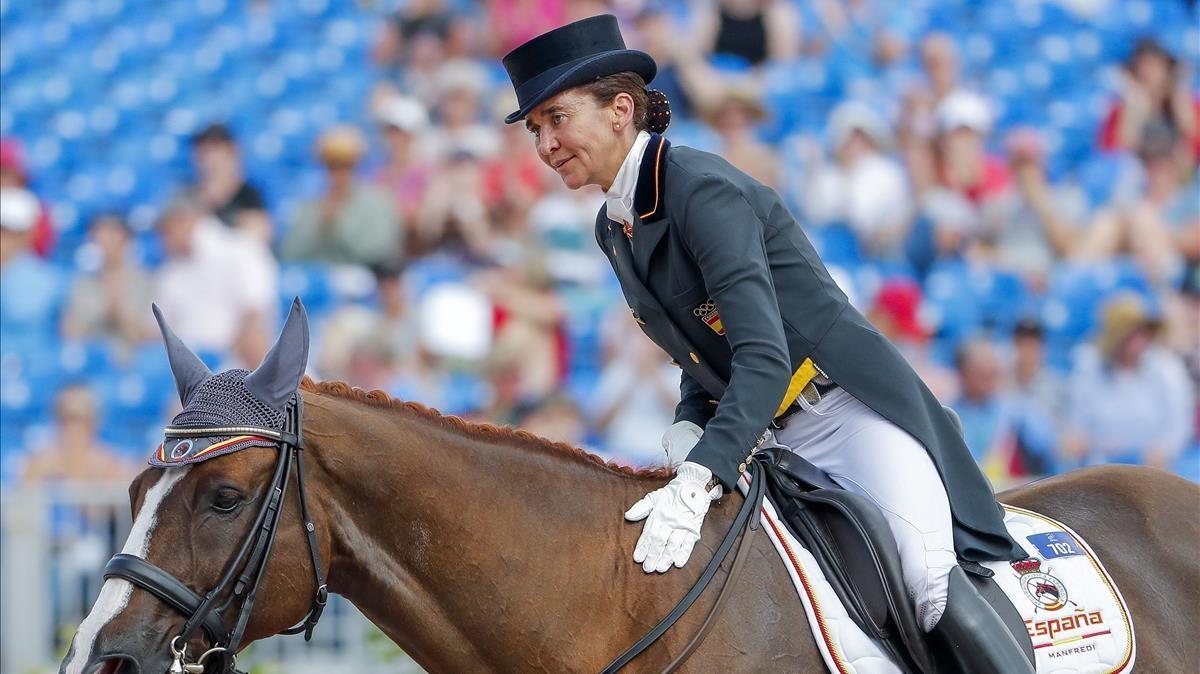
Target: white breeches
874, 458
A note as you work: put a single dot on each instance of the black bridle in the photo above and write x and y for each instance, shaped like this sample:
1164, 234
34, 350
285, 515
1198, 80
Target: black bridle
251, 558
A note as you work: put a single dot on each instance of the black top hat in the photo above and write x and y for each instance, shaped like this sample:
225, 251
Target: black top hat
569, 56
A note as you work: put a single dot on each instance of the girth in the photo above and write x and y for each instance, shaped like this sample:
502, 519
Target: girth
244, 572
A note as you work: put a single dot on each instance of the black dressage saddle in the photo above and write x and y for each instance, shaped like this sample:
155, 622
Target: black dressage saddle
853, 545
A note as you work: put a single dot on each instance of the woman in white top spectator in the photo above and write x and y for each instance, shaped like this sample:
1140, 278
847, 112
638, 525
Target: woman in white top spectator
1130, 399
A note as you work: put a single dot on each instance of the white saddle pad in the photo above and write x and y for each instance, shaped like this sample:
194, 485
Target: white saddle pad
1072, 609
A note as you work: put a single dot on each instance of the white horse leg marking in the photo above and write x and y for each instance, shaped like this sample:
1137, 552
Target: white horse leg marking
114, 595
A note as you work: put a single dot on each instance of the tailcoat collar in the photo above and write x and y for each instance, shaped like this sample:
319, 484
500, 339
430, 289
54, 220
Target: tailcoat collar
650, 192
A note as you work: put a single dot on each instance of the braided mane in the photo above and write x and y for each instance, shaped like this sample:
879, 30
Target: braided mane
481, 431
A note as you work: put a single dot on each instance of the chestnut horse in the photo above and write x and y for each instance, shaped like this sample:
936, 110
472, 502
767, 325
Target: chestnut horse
477, 548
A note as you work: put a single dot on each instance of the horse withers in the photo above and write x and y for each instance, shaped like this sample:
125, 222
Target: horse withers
478, 548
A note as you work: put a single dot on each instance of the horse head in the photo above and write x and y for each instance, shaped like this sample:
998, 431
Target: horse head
198, 511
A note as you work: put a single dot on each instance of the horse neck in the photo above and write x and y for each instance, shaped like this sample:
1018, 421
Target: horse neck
474, 552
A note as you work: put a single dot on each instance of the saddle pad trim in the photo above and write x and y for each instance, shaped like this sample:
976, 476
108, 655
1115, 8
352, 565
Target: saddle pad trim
1131, 650
830, 645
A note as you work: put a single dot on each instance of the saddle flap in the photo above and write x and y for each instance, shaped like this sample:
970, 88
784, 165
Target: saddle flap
854, 545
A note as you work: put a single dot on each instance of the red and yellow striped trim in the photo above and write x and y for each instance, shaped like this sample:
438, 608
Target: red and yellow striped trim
838, 660
162, 448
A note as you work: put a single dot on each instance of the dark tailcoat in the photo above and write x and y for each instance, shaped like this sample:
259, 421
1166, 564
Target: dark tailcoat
703, 231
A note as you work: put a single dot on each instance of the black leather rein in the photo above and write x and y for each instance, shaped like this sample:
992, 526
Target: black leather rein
251, 557
744, 522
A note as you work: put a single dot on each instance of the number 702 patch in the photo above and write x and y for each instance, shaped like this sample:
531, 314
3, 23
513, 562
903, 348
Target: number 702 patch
1054, 544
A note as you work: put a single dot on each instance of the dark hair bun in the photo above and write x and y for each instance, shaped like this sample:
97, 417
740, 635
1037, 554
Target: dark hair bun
658, 111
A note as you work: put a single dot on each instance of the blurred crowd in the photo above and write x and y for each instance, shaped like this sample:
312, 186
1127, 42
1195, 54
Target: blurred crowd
1024, 226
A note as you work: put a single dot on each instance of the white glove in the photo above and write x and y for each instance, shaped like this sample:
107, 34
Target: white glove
676, 514
678, 440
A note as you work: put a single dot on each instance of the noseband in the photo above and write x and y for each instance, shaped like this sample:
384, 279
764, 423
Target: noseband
251, 558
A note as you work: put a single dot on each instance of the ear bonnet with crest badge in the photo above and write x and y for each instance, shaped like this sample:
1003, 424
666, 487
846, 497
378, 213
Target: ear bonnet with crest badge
236, 400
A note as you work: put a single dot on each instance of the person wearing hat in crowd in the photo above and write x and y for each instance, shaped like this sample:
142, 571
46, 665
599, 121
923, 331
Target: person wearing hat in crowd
1130, 399
221, 183
862, 187
404, 173
735, 116
30, 289
353, 222
722, 278
963, 165
896, 313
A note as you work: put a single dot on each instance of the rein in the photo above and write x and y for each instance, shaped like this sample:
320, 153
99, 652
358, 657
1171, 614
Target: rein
747, 520
251, 557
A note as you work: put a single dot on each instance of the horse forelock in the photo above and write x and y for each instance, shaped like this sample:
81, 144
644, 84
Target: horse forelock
481, 431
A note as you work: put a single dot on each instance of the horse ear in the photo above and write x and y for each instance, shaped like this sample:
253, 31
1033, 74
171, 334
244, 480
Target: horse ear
189, 371
278, 377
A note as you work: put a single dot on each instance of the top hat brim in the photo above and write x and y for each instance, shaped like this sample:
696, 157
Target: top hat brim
576, 73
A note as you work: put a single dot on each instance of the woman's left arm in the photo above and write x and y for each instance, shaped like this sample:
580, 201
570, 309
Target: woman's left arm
727, 239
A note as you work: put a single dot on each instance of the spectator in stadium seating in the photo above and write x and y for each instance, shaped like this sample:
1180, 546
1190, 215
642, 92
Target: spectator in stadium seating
689, 83
353, 222
221, 184
756, 31
405, 173
397, 323
30, 288
460, 85
941, 63
634, 397
1130, 399
896, 313
562, 227
529, 349
1039, 402
880, 28
1154, 99
963, 165
14, 174
947, 229
513, 178
512, 22
556, 417
110, 300
734, 117
453, 213
215, 281
76, 453
411, 45
989, 423
862, 187
1038, 223
1158, 228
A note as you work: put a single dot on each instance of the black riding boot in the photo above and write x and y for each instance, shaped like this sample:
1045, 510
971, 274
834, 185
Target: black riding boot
971, 638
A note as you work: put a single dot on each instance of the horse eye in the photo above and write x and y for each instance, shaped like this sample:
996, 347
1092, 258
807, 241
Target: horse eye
227, 500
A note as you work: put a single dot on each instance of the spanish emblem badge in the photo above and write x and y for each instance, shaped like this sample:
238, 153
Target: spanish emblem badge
1044, 590
707, 312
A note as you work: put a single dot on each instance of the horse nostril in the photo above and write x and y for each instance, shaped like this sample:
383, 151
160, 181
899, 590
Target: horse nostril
117, 664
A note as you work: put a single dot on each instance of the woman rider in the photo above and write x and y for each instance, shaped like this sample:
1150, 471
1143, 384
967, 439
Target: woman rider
722, 278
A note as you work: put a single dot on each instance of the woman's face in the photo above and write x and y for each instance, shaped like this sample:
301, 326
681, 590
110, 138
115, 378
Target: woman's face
576, 136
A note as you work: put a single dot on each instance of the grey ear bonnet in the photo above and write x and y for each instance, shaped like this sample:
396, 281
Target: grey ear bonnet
282, 368
187, 368
234, 397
